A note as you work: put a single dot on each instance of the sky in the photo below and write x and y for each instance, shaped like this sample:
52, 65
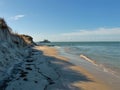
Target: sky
64, 20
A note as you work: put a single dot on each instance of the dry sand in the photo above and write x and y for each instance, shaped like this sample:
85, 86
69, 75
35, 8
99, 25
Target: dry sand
77, 77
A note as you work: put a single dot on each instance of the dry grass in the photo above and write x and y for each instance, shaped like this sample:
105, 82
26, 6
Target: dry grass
6, 34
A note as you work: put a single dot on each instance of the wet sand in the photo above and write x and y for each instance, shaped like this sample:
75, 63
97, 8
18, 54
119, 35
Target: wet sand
90, 83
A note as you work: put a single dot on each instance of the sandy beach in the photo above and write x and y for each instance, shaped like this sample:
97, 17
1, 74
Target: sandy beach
44, 69
73, 77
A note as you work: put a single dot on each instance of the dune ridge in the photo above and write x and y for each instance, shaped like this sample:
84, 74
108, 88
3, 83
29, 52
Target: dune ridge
13, 50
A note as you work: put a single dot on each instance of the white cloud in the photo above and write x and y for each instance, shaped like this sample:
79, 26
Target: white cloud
100, 34
99, 31
17, 17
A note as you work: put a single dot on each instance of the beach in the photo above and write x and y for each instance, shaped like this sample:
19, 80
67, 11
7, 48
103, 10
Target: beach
45, 69
49, 68
89, 68
73, 77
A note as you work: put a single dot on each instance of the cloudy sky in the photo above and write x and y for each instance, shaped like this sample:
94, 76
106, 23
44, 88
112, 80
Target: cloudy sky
64, 20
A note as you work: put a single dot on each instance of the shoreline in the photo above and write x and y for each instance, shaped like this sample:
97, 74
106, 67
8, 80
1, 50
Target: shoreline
105, 76
46, 69
93, 84
102, 66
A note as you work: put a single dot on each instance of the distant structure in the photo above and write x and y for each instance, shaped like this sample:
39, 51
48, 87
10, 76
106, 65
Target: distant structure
45, 41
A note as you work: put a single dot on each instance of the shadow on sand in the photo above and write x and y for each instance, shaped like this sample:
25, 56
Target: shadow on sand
66, 76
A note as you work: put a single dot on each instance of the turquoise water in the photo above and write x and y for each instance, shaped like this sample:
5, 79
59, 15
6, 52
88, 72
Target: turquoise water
106, 54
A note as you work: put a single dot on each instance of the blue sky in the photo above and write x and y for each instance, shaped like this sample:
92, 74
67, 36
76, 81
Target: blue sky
64, 20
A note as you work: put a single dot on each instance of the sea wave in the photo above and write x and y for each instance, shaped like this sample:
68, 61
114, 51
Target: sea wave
88, 59
102, 66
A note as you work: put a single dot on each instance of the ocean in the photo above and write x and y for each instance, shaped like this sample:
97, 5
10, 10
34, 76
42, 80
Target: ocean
104, 54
